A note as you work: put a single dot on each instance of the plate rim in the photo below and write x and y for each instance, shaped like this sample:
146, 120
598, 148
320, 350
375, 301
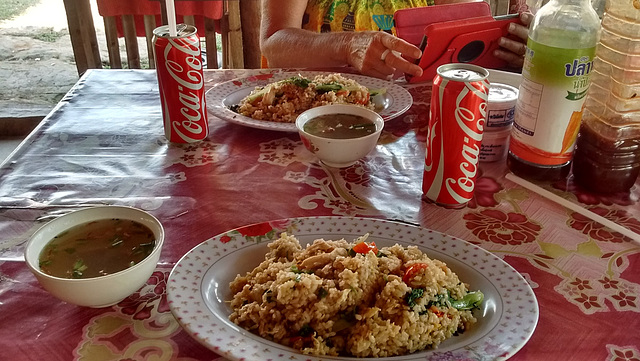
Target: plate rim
291, 354
222, 112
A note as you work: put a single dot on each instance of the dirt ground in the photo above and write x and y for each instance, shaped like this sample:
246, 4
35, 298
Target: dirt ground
35, 74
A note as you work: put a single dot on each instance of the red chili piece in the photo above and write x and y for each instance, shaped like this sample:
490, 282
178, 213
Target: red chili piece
364, 248
412, 271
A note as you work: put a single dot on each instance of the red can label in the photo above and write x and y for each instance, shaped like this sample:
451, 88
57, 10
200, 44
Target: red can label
181, 83
456, 120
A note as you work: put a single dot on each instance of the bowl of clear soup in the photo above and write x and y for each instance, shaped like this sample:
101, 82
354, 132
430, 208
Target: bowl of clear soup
97, 256
339, 135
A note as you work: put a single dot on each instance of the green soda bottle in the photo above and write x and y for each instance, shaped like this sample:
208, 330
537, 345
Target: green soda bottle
555, 79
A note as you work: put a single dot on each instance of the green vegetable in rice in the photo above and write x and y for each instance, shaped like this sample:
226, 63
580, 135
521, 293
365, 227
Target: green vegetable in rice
413, 296
298, 81
440, 300
323, 88
322, 293
470, 301
306, 330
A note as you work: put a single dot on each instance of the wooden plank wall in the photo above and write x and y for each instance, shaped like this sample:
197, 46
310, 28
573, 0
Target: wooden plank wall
239, 29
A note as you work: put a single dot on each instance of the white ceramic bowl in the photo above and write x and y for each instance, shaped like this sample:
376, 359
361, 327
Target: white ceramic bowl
339, 153
100, 291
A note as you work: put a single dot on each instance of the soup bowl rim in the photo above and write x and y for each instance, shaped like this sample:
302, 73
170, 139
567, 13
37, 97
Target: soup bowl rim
304, 117
32, 260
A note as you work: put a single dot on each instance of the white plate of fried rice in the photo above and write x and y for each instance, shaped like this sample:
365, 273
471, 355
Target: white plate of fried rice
390, 99
200, 297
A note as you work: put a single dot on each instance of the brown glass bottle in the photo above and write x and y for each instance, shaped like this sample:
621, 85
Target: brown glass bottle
605, 165
607, 156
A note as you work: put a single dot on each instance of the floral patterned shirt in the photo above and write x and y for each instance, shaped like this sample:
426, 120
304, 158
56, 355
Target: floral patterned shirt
355, 15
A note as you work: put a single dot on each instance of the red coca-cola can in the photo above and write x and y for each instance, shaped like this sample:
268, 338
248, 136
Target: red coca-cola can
456, 120
181, 82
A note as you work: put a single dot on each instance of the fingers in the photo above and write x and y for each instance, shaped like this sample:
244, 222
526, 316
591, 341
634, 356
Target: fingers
382, 55
512, 50
402, 54
397, 62
526, 18
516, 47
400, 46
514, 60
378, 67
519, 31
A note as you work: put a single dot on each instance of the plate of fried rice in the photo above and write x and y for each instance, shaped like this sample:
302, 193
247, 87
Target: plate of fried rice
274, 99
320, 288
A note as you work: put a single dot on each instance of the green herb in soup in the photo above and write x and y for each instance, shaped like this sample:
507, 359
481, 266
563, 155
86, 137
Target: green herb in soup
97, 248
340, 126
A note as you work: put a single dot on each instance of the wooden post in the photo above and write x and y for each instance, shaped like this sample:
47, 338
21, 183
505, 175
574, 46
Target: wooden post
235, 48
131, 41
251, 12
83, 35
210, 41
149, 26
113, 45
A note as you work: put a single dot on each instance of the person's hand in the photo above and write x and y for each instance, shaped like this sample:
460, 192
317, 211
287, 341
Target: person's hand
379, 54
512, 51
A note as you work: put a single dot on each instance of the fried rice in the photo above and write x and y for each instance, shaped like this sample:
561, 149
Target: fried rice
284, 100
343, 298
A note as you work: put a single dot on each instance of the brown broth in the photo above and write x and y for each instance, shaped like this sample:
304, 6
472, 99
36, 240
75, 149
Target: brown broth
97, 248
340, 126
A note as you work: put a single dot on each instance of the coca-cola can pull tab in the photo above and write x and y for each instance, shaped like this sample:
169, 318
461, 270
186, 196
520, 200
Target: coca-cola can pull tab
457, 117
462, 74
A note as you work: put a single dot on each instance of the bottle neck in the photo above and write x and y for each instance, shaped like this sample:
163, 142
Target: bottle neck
562, 8
566, 24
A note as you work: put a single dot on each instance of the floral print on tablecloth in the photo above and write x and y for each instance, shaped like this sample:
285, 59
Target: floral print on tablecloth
145, 316
601, 287
623, 353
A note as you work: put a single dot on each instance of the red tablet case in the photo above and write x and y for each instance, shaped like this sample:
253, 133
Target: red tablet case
469, 39
410, 23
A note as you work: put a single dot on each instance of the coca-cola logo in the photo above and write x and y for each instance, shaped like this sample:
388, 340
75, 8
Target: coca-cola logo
428, 161
472, 124
190, 79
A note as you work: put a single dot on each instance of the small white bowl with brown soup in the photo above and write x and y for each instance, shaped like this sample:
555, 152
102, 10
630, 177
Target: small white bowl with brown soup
339, 135
97, 256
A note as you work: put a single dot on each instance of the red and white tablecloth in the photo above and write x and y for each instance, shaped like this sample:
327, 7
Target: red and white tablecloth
104, 144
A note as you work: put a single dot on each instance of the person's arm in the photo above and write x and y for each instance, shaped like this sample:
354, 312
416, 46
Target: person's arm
284, 43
